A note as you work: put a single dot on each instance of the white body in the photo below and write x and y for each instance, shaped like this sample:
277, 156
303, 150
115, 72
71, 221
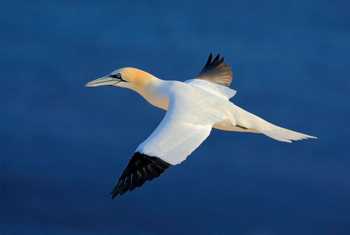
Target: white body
194, 108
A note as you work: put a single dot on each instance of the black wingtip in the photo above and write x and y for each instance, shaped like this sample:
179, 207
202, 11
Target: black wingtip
117, 192
216, 58
114, 194
141, 168
209, 60
212, 63
216, 71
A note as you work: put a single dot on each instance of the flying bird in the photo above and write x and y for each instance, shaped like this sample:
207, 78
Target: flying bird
194, 107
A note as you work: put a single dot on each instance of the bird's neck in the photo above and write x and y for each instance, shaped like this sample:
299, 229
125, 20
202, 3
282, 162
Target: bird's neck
153, 92
145, 83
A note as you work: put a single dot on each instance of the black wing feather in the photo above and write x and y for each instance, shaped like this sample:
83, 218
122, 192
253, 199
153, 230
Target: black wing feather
141, 168
215, 70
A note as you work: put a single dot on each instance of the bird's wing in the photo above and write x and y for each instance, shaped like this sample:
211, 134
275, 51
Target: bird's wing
216, 71
140, 168
213, 88
184, 127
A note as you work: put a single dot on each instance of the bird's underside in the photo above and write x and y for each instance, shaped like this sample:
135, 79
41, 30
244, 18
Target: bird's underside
193, 107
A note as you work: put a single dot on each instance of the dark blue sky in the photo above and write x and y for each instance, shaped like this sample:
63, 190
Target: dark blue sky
63, 146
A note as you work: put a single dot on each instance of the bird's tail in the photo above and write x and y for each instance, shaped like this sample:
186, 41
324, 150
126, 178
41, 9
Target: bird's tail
283, 134
256, 124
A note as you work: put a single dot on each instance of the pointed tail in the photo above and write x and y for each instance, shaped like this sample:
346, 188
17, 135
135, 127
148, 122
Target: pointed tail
259, 125
283, 134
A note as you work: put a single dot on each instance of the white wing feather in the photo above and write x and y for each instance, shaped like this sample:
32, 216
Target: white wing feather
213, 88
185, 126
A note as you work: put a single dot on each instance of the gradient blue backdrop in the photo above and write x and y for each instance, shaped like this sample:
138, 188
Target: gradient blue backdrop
63, 145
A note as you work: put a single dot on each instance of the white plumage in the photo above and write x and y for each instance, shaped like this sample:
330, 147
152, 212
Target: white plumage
193, 107
190, 117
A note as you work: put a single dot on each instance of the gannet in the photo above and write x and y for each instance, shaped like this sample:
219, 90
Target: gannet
194, 107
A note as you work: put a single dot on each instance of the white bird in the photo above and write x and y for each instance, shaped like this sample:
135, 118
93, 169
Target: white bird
193, 108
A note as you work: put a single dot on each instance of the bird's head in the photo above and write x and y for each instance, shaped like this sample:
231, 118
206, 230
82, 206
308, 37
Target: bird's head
132, 78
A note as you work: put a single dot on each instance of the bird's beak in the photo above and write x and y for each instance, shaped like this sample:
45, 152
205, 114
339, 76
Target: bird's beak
103, 81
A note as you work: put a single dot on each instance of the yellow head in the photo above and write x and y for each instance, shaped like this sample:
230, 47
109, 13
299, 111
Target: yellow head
128, 77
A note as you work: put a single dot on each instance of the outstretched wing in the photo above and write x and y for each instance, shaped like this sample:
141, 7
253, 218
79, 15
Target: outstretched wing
184, 127
215, 70
140, 169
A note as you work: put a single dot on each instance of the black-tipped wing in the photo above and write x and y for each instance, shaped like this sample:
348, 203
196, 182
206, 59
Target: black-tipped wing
215, 70
140, 169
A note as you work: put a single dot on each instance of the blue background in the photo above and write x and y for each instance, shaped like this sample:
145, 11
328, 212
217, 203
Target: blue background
63, 146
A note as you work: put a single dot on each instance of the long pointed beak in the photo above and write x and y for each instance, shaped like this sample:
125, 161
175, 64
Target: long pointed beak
102, 81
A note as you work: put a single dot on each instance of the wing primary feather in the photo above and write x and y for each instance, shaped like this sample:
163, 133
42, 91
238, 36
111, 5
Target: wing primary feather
216, 59
141, 168
216, 71
209, 60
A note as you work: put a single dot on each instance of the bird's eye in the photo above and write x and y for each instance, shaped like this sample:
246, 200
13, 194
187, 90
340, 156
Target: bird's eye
116, 76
